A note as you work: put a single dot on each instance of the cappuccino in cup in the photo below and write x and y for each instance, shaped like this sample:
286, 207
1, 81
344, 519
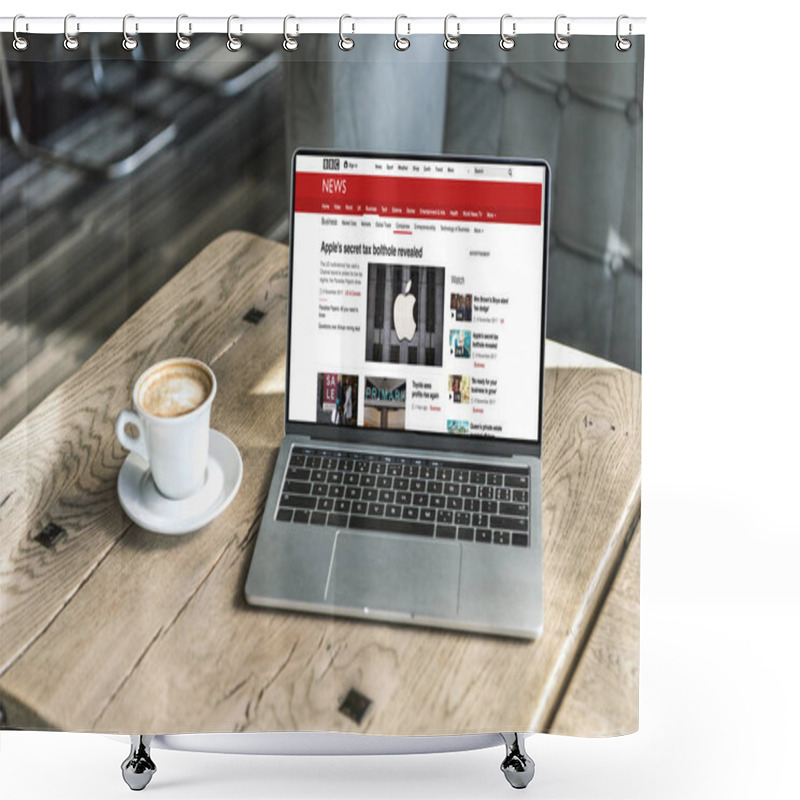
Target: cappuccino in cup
172, 415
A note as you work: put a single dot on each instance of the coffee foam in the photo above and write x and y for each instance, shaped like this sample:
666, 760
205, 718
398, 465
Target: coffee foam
174, 390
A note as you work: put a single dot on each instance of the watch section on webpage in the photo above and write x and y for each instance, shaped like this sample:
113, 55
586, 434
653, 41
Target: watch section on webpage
417, 295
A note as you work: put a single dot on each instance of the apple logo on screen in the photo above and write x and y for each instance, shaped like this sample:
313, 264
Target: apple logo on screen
404, 314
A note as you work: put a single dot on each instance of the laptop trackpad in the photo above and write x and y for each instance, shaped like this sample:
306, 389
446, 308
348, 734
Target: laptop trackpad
405, 575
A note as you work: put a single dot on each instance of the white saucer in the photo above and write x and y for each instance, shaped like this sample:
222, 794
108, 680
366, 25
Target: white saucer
152, 511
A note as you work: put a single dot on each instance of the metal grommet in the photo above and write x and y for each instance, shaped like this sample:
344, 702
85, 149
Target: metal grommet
623, 44
20, 43
560, 42
128, 42
289, 43
345, 42
70, 42
507, 42
233, 44
182, 42
451, 42
400, 42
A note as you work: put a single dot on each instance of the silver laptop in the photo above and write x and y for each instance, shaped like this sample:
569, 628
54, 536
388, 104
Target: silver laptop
408, 486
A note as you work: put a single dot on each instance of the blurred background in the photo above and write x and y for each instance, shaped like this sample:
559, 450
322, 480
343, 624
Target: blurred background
117, 168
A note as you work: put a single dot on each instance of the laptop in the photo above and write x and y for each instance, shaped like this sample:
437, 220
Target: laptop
407, 488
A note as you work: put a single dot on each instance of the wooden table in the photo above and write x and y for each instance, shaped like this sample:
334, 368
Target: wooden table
106, 627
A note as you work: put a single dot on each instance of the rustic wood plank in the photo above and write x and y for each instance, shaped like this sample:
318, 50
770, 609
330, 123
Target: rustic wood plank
60, 463
602, 698
175, 649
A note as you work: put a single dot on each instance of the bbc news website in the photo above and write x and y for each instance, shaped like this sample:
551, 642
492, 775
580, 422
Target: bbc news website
417, 295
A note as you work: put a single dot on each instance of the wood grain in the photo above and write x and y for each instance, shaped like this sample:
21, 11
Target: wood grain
602, 698
160, 623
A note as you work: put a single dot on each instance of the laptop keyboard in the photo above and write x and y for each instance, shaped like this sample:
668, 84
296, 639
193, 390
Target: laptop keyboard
440, 499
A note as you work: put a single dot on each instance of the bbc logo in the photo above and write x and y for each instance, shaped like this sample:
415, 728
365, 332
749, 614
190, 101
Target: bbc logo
330, 163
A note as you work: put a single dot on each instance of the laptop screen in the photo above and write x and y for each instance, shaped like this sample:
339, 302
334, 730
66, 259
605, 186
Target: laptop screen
417, 289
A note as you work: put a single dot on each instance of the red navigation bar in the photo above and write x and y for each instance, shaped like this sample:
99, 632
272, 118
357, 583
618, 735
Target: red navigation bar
419, 198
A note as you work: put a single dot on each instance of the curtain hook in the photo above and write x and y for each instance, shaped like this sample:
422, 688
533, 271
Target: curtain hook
20, 43
400, 42
70, 42
289, 42
233, 44
507, 42
623, 44
128, 42
560, 42
182, 42
345, 42
451, 42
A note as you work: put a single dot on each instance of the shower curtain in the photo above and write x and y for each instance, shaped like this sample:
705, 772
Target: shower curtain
144, 214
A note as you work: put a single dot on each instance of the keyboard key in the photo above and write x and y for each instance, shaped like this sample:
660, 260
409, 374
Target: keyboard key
394, 469
486, 492
401, 484
519, 495
514, 509
462, 518
427, 515
345, 465
444, 474
445, 517
417, 485
298, 501
284, 515
394, 511
342, 506
374, 510
339, 520
367, 480
468, 490
509, 523
434, 487
359, 507
377, 468
480, 521
489, 507
318, 518
502, 537
296, 474
519, 539
445, 532
384, 482
411, 471
351, 479
386, 496
319, 490
420, 500
494, 478
466, 534
502, 494
370, 495
477, 477
301, 516
427, 472
517, 481
313, 462
297, 487
472, 504
451, 489
325, 504
410, 512
362, 466
352, 492
455, 503
403, 498
392, 525
328, 463
438, 501
336, 491
483, 535
296, 460
461, 475
335, 477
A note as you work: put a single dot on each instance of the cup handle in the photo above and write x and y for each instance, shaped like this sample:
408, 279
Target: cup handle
136, 445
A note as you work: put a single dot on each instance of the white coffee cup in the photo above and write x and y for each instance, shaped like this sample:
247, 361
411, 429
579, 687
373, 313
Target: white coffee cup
172, 402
